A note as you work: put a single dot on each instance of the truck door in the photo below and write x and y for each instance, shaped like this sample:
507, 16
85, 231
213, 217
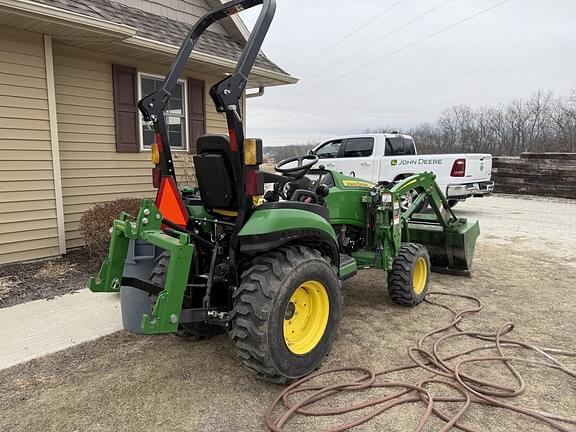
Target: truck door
357, 158
329, 153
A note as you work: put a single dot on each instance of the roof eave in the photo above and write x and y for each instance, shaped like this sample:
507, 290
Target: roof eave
128, 35
141, 42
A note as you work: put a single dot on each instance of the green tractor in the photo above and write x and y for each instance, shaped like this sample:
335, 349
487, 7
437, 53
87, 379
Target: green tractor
265, 264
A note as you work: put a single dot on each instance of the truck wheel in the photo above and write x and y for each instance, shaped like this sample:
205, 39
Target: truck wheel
408, 198
452, 203
286, 313
194, 331
408, 279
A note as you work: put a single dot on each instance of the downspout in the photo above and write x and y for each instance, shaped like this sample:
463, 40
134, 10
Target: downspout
247, 95
259, 93
54, 143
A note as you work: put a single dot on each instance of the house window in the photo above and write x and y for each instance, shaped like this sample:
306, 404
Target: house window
175, 113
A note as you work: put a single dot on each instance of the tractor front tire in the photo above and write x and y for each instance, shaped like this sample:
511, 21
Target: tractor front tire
410, 274
286, 313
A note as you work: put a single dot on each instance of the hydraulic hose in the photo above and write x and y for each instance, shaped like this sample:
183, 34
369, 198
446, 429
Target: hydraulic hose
471, 390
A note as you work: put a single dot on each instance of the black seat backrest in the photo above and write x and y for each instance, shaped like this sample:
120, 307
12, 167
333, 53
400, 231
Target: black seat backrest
214, 172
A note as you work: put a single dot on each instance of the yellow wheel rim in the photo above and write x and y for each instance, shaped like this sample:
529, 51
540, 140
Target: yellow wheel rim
420, 275
306, 317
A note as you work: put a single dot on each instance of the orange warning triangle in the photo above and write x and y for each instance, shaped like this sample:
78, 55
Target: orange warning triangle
170, 204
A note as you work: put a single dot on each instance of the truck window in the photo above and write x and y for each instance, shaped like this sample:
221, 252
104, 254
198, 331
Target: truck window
358, 147
399, 146
329, 150
409, 147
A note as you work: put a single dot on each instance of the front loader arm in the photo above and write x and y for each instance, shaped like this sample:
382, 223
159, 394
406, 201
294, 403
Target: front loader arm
451, 248
425, 183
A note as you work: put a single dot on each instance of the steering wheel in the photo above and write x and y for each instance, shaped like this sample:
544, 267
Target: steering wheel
300, 169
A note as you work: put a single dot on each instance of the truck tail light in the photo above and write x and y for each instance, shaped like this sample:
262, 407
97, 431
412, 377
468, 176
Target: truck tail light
458, 168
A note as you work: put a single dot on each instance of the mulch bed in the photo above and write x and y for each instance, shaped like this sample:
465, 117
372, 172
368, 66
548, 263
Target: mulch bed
23, 282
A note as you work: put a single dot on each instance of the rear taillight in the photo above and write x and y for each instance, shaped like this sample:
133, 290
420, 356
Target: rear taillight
458, 168
156, 177
253, 183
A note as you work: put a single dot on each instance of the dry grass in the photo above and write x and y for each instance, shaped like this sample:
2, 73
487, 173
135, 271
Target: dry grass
57, 269
7, 284
126, 382
26, 281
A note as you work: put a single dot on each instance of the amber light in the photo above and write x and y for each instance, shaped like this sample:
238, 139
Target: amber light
250, 157
154, 154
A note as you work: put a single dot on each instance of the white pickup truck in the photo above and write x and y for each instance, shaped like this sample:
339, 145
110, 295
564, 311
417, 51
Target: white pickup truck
390, 157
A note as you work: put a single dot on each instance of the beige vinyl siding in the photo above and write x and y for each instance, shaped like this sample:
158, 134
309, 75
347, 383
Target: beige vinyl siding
28, 227
92, 171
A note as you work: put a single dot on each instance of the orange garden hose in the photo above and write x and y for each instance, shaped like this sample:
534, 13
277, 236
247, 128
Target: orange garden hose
471, 390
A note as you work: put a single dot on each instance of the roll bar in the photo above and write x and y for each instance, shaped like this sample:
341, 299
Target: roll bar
225, 93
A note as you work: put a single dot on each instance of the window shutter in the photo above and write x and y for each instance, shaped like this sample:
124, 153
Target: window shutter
196, 112
125, 109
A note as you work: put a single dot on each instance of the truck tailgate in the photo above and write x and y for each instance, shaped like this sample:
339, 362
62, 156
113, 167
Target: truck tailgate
478, 166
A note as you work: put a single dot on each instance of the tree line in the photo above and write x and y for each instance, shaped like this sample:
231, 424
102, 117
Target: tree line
278, 153
541, 123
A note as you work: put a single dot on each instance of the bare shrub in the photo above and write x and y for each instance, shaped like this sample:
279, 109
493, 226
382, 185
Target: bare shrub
96, 222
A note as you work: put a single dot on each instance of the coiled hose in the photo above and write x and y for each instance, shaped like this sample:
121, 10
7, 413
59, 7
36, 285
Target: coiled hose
471, 390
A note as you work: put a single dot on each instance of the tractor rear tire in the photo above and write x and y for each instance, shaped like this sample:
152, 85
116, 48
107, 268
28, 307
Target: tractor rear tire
286, 313
192, 331
410, 274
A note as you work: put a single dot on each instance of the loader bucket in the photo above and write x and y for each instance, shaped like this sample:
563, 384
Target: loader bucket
451, 249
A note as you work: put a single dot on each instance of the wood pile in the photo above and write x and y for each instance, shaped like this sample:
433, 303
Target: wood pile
542, 174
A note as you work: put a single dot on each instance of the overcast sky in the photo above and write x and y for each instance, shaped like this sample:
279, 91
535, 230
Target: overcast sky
508, 52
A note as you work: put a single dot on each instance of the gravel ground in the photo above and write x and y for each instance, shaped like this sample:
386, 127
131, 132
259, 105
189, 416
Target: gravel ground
523, 272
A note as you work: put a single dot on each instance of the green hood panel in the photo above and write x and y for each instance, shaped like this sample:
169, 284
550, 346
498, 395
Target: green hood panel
275, 220
345, 182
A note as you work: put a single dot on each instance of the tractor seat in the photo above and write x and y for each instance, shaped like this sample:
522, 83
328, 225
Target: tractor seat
215, 175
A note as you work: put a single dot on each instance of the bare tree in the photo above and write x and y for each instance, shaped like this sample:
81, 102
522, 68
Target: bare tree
540, 123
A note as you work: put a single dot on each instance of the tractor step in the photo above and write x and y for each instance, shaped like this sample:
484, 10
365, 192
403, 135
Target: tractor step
348, 267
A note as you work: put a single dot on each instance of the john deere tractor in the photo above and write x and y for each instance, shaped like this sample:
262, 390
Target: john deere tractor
262, 256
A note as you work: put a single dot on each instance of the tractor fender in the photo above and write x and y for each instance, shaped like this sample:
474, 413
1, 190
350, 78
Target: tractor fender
268, 229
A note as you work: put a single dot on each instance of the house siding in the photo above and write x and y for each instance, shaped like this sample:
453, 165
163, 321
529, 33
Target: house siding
28, 225
92, 170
